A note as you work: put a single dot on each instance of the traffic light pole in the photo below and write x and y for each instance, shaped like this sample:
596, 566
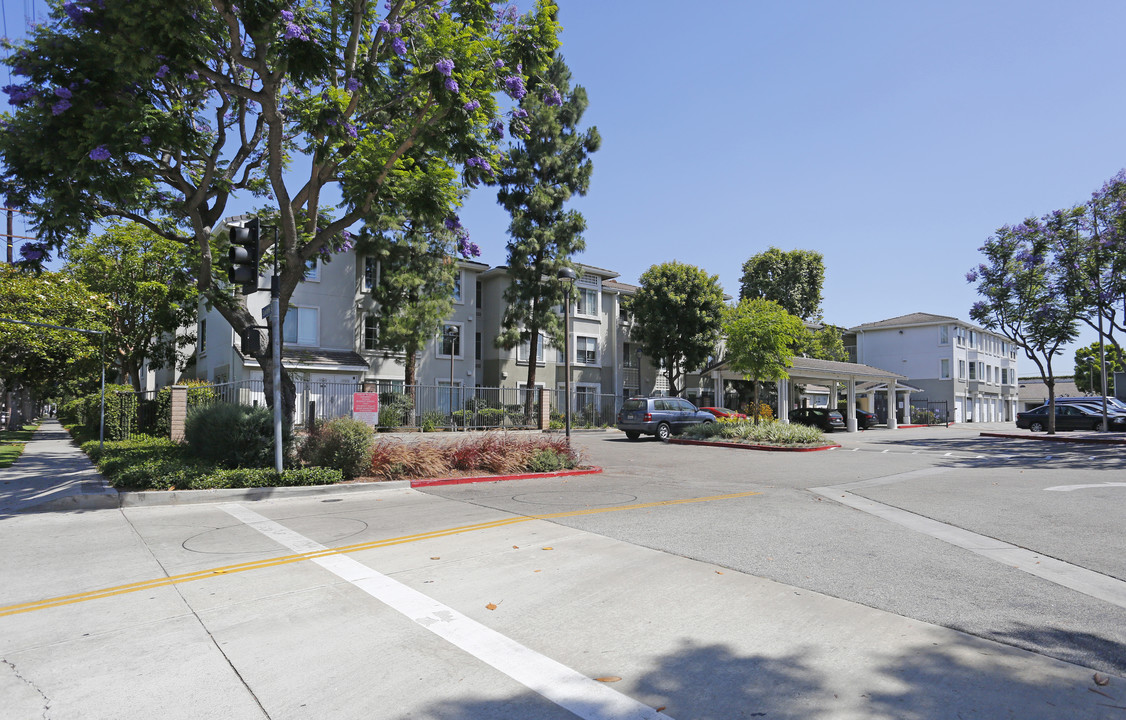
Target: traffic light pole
275, 320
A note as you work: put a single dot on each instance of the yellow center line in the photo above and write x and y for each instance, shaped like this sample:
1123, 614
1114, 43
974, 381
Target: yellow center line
300, 557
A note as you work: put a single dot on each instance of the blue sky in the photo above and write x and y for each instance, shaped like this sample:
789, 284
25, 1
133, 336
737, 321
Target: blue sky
892, 137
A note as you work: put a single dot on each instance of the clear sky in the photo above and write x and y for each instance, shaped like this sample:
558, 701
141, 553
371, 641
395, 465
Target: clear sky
893, 137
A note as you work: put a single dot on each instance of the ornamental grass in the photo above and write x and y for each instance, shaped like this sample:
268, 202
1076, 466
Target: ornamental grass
767, 432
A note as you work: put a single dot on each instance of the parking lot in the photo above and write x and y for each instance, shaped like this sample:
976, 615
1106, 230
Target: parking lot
923, 573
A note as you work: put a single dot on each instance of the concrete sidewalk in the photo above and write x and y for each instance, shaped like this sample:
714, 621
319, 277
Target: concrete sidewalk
52, 469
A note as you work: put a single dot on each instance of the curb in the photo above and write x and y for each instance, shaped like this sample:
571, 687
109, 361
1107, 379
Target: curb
501, 478
745, 446
1057, 438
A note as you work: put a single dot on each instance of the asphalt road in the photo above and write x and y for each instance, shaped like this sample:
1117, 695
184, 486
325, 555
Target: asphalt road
910, 574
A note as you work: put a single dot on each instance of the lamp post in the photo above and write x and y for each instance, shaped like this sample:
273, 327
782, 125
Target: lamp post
451, 334
567, 275
639, 372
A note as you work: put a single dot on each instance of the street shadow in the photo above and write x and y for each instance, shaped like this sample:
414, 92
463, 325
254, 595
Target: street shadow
1029, 454
961, 677
1082, 648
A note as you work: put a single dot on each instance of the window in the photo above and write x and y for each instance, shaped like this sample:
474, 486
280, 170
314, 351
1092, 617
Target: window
457, 287
371, 332
477, 346
629, 358
203, 336
371, 272
587, 302
300, 326
449, 341
477, 293
525, 347
960, 334
1004, 376
944, 368
312, 271
943, 334
973, 338
973, 371
586, 350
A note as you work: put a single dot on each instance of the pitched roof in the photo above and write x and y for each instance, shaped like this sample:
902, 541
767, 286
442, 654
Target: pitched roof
918, 318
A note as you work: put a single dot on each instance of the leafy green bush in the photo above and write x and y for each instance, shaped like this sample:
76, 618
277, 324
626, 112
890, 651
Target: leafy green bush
548, 460
234, 435
395, 410
767, 432
344, 444
432, 420
266, 477
200, 392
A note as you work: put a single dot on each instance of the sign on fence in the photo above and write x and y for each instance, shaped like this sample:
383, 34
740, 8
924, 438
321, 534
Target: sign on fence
365, 407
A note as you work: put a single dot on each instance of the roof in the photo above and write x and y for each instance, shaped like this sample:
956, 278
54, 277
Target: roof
316, 358
905, 320
619, 286
814, 369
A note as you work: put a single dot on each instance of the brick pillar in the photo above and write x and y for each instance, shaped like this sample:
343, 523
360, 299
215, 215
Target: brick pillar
179, 411
545, 409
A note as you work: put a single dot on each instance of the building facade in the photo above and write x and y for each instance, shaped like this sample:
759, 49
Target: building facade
949, 360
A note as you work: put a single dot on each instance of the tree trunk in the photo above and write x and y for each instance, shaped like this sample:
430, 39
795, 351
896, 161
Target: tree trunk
288, 387
530, 390
755, 408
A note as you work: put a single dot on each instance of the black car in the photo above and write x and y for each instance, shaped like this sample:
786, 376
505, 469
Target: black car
864, 419
659, 416
1069, 417
827, 420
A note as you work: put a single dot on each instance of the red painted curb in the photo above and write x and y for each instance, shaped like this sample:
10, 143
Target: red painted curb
1056, 438
501, 478
744, 446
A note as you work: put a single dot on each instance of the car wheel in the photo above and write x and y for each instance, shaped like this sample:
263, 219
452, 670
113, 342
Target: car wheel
632, 434
1098, 425
1036, 427
663, 432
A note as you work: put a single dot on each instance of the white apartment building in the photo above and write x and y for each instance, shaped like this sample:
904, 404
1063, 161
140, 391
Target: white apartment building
972, 369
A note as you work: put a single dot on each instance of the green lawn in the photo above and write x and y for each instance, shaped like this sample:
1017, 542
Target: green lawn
12, 442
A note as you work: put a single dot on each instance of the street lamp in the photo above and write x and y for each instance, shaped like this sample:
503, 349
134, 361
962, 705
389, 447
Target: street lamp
567, 275
639, 372
451, 334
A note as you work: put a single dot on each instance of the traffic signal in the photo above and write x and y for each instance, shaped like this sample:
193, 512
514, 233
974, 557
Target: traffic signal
244, 257
250, 341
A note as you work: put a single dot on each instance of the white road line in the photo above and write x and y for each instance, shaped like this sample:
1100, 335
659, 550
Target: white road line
1070, 576
558, 683
1069, 488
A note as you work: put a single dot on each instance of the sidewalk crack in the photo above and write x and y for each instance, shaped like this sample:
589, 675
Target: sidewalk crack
33, 686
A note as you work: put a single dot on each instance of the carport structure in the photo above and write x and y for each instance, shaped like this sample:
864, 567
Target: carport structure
811, 370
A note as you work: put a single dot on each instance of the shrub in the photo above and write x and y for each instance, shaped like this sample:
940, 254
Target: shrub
200, 392
395, 410
265, 477
769, 432
548, 460
343, 444
765, 412
432, 420
233, 435
394, 459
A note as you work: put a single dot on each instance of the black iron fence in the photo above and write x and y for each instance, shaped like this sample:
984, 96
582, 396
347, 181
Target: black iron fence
929, 412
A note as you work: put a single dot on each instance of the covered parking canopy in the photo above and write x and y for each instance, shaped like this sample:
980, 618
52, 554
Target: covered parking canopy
811, 370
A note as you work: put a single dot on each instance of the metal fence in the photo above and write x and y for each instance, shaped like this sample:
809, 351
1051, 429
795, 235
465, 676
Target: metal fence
588, 410
132, 414
927, 412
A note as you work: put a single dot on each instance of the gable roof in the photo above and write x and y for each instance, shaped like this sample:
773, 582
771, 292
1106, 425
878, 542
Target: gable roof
918, 318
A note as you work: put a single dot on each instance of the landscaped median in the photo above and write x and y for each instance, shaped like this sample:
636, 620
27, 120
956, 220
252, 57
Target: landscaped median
12, 443
768, 435
229, 451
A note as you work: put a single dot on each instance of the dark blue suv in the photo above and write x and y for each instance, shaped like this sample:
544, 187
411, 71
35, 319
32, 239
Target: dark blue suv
659, 416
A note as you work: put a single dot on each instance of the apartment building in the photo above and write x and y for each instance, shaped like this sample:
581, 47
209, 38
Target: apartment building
972, 369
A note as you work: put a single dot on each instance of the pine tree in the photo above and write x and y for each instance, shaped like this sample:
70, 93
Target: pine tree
541, 173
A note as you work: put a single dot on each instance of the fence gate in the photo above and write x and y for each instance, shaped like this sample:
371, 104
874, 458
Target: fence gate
929, 412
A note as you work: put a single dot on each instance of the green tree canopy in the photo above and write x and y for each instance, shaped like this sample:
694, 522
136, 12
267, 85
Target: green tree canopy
151, 294
824, 343
1088, 369
761, 339
1023, 295
793, 279
541, 173
678, 311
151, 110
45, 358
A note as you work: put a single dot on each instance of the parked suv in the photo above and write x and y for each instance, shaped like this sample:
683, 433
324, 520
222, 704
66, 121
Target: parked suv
659, 416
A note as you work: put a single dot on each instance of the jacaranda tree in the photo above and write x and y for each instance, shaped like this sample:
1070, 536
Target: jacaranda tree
323, 111
1023, 294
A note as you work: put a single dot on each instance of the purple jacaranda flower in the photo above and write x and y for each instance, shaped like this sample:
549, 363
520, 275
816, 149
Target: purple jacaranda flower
193, 75
19, 94
352, 85
553, 98
146, 140
77, 13
162, 71
446, 67
498, 63
385, 26
453, 222
497, 128
451, 85
60, 107
63, 93
100, 153
294, 31
32, 252
399, 46
519, 113
332, 120
971, 276
287, 15
351, 130
514, 85
479, 162
471, 106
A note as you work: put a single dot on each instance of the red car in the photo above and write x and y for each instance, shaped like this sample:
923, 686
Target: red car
724, 413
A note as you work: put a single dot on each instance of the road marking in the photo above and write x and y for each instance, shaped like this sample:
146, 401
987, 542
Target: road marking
1069, 488
1070, 576
553, 680
892, 479
301, 557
